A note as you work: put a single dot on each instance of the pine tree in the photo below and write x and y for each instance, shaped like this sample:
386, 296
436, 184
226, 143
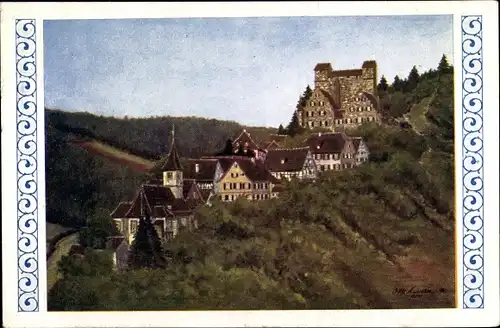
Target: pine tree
228, 149
398, 84
444, 66
305, 97
383, 85
294, 127
281, 129
146, 250
413, 79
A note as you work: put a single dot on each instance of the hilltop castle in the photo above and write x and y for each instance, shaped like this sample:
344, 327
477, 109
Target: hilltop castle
341, 98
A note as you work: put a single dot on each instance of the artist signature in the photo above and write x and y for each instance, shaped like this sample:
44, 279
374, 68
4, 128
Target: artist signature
415, 291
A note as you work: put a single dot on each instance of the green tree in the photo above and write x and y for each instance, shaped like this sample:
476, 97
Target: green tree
413, 79
444, 66
146, 250
294, 127
397, 84
383, 85
281, 129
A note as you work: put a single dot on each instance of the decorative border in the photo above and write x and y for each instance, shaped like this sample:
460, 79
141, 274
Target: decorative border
472, 159
27, 192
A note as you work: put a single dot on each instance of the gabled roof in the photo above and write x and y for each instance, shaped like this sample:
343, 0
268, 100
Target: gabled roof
270, 145
356, 141
114, 242
254, 170
326, 143
277, 137
286, 159
245, 138
148, 199
190, 190
206, 169
120, 211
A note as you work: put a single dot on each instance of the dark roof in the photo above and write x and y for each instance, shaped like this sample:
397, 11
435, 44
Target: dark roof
114, 241
283, 160
277, 137
206, 169
323, 66
147, 198
155, 181
244, 138
372, 99
187, 185
278, 188
254, 169
205, 193
121, 210
369, 64
270, 145
348, 72
185, 206
172, 163
326, 143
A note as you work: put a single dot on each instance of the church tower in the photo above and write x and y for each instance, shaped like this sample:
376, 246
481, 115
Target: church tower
172, 170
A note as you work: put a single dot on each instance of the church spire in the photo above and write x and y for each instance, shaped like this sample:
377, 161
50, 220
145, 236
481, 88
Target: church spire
172, 163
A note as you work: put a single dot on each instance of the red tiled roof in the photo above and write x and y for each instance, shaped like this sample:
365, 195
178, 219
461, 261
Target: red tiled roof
120, 211
286, 160
326, 143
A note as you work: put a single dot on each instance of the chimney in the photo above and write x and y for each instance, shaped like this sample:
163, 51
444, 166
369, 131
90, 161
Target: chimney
197, 167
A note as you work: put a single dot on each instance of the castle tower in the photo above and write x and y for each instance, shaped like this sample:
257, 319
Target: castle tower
322, 74
172, 170
369, 74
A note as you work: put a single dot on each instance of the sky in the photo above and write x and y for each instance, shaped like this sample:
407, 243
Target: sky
248, 70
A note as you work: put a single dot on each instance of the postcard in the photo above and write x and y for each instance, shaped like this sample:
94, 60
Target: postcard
287, 164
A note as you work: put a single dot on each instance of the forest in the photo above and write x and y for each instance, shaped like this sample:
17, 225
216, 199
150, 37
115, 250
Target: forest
347, 241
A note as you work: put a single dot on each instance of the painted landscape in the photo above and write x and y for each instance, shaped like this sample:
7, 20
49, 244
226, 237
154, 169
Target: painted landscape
345, 201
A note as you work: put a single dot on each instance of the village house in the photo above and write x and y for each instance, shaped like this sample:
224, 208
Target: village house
244, 177
292, 162
362, 152
170, 205
332, 151
244, 145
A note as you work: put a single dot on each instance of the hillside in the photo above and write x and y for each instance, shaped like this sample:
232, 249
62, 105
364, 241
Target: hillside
377, 236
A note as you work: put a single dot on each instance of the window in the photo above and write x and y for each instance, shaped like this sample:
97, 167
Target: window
321, 103
360, 109
336, 156
326, 123
312, 103
224, 186
266, 185
348, 120
359, 119
133, 226
249, 186
368, 109
226, 197
169, 175
119, 225
234, 185
242, 185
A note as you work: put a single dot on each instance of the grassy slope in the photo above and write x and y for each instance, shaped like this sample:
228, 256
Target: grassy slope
116, 155
62, 248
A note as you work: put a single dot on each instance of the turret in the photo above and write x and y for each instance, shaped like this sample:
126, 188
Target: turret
172, 170
322, 74
369, 69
